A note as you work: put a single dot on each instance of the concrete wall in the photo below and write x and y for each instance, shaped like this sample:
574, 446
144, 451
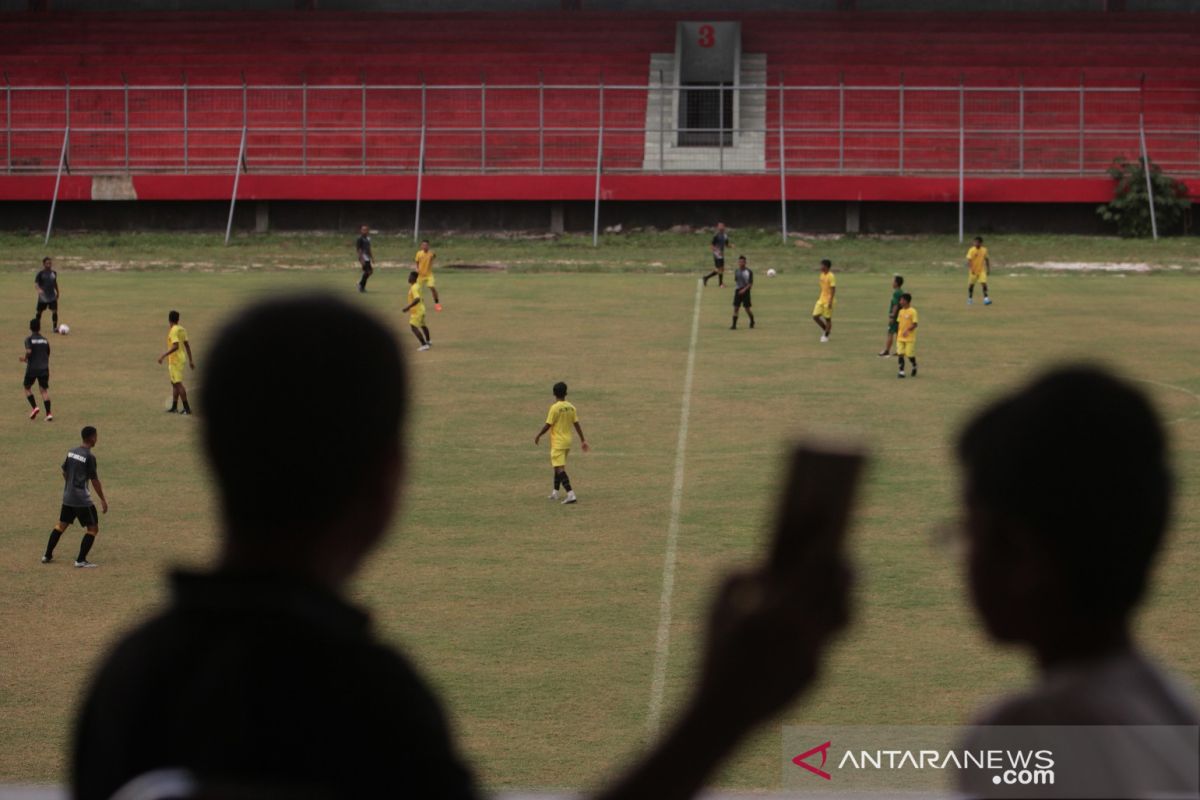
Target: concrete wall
681, 6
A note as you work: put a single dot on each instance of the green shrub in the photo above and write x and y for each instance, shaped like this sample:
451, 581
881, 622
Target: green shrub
1129, 209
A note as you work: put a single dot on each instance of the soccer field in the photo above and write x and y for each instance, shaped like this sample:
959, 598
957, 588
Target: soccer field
538, 623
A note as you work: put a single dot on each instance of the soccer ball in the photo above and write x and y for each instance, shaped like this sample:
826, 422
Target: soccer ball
770, 273
64, 329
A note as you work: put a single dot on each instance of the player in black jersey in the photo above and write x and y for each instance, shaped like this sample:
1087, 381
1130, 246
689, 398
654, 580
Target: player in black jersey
362, 246
79, 469
37, 368
48, 292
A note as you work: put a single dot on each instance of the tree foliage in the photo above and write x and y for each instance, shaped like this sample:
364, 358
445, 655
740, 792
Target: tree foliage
1129, 209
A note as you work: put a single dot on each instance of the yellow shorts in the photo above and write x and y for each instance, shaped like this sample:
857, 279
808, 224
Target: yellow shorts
822, 310
416, 318
907, 348
426, 280
977, 277
175, 372
558, 457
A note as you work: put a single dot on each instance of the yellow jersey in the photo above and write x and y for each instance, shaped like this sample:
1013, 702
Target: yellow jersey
828, 284
424, 262
561, 419
177, 336
907, 319
977, 258
414, 293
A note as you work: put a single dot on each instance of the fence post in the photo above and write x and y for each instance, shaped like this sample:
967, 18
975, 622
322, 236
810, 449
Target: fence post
1081, 113
841, 122
7, 122
663, 97
901, 143
363, 131
599, 167
1146, 158
185, 123
420, 167
125, 84
62, 163
782, 167
237, 174
541, 122
483, 123
962, 140
720, 127
1021, 126
304, 124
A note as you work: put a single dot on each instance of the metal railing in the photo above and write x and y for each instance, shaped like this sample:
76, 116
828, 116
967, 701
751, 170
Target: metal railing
553, 128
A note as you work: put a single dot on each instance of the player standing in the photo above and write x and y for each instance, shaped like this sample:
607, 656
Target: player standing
362, 246
48, 292
559, 421
823, 310
978, 265
37, 368
743, 277
906, 337
424, 260
720, 242
416, 313
78, 469
893, 307
177, 344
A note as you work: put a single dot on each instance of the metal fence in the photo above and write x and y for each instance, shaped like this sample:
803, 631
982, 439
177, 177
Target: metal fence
655, 128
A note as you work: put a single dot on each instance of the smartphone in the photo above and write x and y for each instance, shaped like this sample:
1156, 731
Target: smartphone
815, 508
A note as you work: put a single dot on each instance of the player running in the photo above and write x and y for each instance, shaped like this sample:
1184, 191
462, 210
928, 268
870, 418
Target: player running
893, 307
720, 242
978, 265
37, 368
48, 291
78, 469
416, 312
559, 421
424, 260
823, 310
906, 338
362, 246
743, 276
177, 345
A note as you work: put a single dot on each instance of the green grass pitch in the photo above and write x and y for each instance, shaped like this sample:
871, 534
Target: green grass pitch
537, 622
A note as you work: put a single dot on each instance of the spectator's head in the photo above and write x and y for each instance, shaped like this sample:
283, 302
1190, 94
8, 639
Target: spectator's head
47, 262
897, 281
826, 265
35, 325
560, 390
301, 475
1067, 494
173, 317
88, 435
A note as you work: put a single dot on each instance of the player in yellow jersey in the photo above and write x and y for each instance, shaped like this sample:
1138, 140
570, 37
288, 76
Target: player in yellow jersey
424, 261
559, 421
906, 337
177, 345
978, 265
416, 313
823, 310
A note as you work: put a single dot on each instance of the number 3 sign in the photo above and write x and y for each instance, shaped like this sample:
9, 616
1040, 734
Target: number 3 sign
708, 36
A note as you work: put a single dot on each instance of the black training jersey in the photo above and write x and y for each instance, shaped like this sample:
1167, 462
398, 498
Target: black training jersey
364, 248
80, 467
47, 283
39, 353
719, 242
744, 277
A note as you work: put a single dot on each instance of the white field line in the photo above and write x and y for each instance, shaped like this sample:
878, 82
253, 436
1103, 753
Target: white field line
658, 681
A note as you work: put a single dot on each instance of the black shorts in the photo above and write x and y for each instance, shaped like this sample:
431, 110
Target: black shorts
87, 516
366, 266
42, 378
719, 262
43, 305
741, 299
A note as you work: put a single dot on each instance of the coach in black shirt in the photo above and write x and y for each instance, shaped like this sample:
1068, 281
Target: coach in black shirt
259, 680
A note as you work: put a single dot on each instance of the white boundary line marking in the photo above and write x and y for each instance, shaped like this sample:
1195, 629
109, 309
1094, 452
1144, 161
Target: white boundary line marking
658, 681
